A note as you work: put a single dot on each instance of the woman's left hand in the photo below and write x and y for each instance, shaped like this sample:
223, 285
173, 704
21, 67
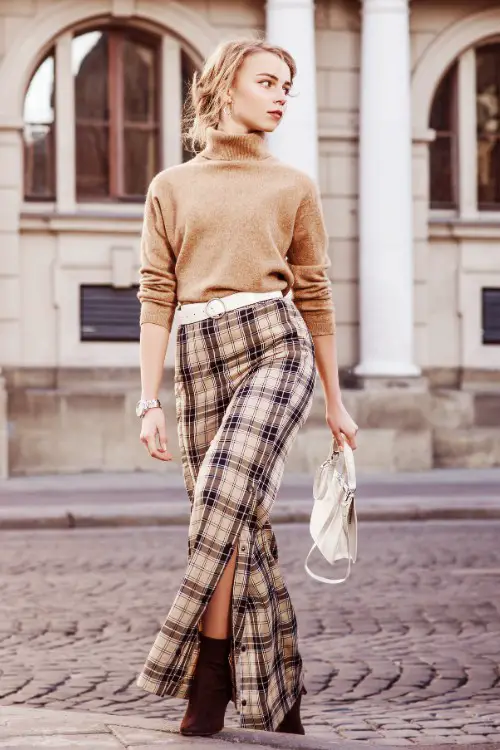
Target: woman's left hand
341, 423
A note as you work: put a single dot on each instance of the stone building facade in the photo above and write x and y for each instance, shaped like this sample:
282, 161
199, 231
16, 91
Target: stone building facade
397, 117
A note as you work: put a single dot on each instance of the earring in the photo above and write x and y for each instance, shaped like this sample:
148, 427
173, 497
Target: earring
227, 110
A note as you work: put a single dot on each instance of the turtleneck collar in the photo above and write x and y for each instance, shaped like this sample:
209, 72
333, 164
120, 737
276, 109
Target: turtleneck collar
221, 145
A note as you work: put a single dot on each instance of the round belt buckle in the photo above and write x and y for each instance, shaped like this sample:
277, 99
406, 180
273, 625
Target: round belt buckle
210, 303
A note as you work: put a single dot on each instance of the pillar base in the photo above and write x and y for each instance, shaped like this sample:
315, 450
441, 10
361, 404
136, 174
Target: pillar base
386, 369
418, 383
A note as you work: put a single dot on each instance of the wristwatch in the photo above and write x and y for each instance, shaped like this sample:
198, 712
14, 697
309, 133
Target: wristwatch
144, 406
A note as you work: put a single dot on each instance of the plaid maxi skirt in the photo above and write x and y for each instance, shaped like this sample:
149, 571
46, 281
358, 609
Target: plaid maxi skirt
244, 386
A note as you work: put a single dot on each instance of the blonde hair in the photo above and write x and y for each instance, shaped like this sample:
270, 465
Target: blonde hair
207, 90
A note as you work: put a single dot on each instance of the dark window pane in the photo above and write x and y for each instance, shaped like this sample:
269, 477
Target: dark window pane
139, 82
441, 173
442, 106
92, 161
140, 160
90, 69
442, 152
39, 123
488, 173
488, 126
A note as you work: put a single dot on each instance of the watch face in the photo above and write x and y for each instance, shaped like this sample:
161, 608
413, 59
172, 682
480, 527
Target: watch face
138, 408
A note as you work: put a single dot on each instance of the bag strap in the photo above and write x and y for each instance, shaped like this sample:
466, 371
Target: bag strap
322, 579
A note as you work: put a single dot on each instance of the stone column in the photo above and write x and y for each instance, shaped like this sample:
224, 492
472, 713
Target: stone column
11, 332
11, 187
385, 193
290, 24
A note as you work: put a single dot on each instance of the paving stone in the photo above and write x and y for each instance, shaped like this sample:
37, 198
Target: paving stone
398, 725
67, 741
130, 736
469, 739
477, 729
435, 743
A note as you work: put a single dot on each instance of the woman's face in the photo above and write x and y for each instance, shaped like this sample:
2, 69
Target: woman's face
260, 86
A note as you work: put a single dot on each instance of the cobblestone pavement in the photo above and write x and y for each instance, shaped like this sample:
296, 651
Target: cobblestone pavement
406, 652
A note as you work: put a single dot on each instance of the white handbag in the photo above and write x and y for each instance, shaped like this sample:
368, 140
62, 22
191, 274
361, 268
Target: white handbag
333, 523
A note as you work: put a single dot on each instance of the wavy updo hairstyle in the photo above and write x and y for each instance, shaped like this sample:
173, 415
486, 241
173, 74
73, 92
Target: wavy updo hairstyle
207, 90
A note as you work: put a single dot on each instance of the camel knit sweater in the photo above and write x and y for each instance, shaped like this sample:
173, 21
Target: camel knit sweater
232, 219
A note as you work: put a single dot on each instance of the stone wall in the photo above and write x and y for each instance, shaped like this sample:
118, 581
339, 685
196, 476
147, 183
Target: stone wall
72, 420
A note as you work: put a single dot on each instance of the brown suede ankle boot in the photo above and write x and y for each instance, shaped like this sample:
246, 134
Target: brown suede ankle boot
291, 723
211, 689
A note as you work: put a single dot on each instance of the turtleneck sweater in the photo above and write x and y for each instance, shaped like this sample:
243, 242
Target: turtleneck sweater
234, 218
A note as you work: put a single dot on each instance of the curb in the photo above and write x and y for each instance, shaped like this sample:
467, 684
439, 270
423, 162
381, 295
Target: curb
82, 520
21, 723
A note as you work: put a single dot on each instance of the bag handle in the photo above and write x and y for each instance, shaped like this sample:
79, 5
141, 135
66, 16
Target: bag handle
348, 456
322, 579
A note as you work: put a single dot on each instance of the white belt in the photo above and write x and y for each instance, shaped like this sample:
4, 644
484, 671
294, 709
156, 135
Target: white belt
191, 312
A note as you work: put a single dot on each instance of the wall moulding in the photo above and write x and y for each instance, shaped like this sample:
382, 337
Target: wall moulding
442, 52
123, 8
11, 124
80, 224
39, 33
422, 136
455, 228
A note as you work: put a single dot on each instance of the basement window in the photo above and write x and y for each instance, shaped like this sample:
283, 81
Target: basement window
109, 313
491, 315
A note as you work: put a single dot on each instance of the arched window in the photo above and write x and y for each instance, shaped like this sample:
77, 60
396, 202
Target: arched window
116, 85
466, 106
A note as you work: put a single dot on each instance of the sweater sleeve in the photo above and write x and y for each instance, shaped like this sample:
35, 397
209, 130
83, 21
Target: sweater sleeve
308, 259
158, 283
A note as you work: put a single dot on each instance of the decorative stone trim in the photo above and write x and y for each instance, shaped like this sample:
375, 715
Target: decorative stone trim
427, 135
123, 8
454, 228
61, 223
19, 63
446, 48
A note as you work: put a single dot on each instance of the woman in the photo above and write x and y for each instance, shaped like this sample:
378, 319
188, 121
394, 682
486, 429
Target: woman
236, 227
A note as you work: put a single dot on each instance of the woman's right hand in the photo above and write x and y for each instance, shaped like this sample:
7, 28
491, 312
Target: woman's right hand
153, 426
